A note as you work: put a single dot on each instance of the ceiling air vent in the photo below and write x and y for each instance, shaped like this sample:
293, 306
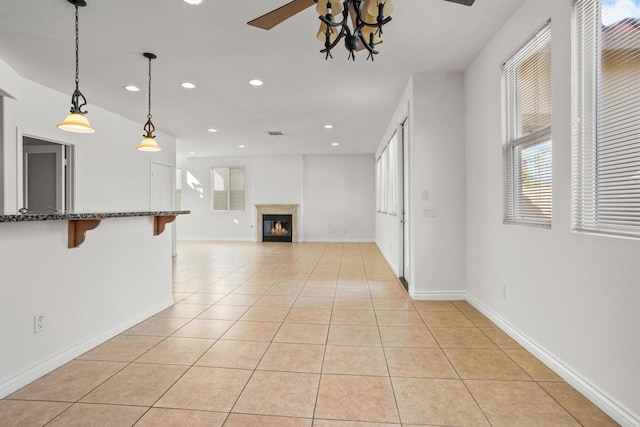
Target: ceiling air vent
275, 132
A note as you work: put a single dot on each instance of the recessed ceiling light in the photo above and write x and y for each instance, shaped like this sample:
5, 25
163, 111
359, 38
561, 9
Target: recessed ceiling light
256, 82
240, 146
193, 2
192, 152
328, 126
188, 85
132, 88
335, 144
212, 130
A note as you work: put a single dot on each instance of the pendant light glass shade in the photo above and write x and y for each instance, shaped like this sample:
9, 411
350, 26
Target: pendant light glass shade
148, 144
76, 122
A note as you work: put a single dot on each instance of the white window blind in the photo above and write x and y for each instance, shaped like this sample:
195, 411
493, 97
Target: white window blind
393, 175
228, 189
527, 149
379, 185
387, 178
384, 176
606, 128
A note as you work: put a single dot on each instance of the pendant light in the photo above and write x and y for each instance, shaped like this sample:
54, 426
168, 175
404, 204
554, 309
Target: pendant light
76, 120
149, 143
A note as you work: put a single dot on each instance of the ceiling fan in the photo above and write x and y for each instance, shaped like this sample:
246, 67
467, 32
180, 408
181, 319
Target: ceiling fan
367, 18
281, 14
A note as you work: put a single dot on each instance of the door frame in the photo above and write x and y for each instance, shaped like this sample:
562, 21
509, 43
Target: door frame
171, 187
406, 278
60, 164
71, 187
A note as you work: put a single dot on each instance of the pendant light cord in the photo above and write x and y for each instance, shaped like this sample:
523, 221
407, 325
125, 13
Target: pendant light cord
77, 50
149, 113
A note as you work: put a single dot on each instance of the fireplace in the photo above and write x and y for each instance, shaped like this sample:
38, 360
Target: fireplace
277, 223
277, 228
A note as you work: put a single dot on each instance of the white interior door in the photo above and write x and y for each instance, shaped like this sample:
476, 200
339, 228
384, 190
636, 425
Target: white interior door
44, 182
161, 187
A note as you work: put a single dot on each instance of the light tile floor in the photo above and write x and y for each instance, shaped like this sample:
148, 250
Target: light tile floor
301, 335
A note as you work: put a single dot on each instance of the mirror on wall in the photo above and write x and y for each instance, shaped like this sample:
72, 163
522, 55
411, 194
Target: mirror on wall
47, 176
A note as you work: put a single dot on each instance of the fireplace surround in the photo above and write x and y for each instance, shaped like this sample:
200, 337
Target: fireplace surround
276, 210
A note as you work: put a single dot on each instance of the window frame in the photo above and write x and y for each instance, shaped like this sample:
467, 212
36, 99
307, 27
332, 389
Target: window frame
387, 179
588, 93
513, 141
228, 188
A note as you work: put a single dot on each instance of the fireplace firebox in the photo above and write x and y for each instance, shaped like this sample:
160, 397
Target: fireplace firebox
277, 228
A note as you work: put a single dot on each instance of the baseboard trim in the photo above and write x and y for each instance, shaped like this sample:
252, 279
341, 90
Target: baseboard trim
605, 402
32, 374
438, 295
215, 239
337, 240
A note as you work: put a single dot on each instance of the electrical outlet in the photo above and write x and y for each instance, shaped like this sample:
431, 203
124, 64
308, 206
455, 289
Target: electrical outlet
38, 323
425, 194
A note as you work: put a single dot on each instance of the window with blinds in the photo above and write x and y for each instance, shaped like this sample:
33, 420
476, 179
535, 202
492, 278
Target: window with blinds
606, 125
527, 149
228, 189
387, 178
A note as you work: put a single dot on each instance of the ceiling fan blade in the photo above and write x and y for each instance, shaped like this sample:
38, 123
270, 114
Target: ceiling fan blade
464, 2
275, 17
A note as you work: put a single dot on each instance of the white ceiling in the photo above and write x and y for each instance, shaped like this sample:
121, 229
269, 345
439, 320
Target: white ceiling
211, 46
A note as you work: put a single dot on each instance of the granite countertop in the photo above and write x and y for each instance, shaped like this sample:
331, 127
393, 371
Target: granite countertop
56, 216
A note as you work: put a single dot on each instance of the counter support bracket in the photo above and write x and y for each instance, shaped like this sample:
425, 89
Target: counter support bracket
159, 222
78, 230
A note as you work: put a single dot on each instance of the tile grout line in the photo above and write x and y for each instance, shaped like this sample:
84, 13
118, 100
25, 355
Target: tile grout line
326, 344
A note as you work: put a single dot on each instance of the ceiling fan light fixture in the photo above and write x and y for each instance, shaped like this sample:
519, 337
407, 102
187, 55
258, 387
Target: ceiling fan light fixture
360, 25
76, 120
360, 21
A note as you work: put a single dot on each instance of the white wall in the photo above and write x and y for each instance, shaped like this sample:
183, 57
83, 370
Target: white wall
573, 296
204, 223
436, 165
278, 180
118, 277
339, 198
285, 180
